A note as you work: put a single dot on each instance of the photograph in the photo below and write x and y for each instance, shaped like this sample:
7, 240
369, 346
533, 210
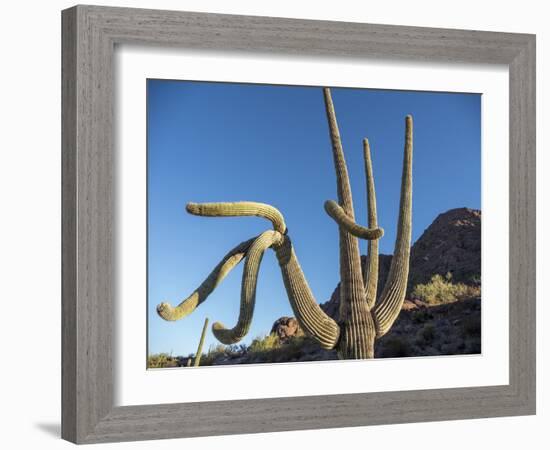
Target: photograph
258, 224
290, 224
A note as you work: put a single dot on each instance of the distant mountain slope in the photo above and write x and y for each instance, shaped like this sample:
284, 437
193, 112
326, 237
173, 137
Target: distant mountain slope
451, 244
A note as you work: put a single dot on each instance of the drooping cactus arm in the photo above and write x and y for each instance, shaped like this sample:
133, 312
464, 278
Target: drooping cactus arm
335, 211
311, 317
236, 209
370, 274
187, 306
387, 309
248, 290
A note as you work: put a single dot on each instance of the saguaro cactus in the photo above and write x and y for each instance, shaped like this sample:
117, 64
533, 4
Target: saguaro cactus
362, 317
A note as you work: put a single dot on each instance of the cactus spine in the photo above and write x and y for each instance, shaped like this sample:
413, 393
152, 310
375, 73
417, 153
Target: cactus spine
362, 318
201, 343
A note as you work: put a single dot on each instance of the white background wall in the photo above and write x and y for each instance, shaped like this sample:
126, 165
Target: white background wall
30, 210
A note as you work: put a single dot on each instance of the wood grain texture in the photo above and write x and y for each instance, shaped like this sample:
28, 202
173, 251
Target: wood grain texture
89, 36
68, 226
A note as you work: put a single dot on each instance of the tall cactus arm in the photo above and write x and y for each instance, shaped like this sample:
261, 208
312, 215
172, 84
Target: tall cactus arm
342, 177
370, 274
248, 291
201, 343
352, 290
235, 209
387, 309
335, 211
311, 317
187, 306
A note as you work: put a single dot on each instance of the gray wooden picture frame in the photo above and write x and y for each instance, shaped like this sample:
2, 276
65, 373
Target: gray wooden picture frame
90, 34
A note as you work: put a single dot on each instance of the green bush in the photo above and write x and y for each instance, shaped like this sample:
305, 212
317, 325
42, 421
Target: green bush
262, 349
442, 290
218, 351
161, 361
263, 344
270, 349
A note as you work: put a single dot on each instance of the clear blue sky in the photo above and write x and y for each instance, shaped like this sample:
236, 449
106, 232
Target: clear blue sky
229, 142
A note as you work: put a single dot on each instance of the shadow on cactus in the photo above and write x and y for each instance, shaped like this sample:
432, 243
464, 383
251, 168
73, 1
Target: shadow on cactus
363, 317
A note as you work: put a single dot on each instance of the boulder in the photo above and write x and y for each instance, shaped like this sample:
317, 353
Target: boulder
285, 328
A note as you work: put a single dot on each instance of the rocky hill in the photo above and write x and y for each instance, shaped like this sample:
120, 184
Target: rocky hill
450, 245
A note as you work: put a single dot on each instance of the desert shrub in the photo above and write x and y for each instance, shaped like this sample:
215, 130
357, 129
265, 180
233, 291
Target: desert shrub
270, 349
161, 360
266, 343
426, 334
291, 350
295, 344
262, 349
396, 348
217, 348
217, 351
442, 290
471, 326
475, 279
421, 316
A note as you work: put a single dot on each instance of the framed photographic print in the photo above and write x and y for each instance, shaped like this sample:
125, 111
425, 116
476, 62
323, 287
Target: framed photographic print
267, 222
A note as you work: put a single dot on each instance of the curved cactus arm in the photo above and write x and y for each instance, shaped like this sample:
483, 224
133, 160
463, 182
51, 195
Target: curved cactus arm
370, 274
248, 291
387, 309
335, 211
311, 317
236, 209
187, 306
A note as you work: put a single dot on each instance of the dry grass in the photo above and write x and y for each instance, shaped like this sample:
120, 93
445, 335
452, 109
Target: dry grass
161, 361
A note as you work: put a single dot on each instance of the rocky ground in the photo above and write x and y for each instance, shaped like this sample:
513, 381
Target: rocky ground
420, 330
451, 247
424, 330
